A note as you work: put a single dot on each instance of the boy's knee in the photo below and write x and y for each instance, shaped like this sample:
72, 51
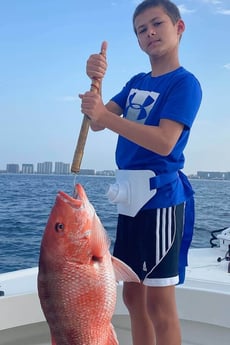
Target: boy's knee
129, 297
132, 296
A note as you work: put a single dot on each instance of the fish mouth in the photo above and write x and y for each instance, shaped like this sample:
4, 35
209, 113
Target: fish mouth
77, 200
76, 194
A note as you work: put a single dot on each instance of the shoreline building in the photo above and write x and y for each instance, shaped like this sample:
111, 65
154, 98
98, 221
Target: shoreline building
12, 168
213, 175
27, 168
45, 168
61, 168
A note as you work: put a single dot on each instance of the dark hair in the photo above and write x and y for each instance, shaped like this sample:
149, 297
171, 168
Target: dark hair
169, 7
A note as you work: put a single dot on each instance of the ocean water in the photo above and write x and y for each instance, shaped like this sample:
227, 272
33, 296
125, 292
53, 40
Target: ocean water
26, 202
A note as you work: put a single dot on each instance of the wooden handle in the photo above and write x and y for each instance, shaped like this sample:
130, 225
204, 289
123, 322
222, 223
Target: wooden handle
78, 154
79, 151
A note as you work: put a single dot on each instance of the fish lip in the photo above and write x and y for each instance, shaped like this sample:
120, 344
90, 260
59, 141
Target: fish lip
75, 201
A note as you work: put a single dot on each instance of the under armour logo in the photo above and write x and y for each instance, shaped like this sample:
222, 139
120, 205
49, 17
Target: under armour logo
139, 104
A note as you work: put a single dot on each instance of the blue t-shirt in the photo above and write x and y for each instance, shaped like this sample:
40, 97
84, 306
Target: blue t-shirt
145, 99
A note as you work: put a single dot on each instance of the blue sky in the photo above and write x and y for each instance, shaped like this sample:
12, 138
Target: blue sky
44, 47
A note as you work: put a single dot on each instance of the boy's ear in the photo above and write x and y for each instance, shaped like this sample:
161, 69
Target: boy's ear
180, 26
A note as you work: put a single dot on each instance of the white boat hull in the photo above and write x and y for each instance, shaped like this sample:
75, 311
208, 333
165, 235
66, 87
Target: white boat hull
203, 306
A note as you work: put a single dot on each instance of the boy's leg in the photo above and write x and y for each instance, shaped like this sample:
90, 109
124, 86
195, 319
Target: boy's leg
134, 295
152, 305
161, 306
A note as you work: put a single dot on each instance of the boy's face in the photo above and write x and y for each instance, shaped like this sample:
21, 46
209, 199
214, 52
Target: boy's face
156, 33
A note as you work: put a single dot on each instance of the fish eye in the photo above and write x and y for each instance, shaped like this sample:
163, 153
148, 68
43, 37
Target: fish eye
96, 258
59, 227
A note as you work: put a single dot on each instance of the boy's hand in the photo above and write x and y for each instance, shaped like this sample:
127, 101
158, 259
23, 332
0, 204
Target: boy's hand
93, 107
96, 64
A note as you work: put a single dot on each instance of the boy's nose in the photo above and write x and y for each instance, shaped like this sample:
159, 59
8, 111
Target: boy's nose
152, 32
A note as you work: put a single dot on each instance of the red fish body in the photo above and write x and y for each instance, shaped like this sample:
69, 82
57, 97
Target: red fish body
76, 280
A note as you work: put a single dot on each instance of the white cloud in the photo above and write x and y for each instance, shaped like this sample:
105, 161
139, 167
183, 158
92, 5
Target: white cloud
183, 9
227, 66
224, 12
220, 6
68, 98
213, 2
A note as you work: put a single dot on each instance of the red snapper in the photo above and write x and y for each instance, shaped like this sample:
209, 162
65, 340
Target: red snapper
77, 274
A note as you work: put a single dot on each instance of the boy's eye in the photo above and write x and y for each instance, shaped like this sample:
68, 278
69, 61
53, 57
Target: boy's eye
141, 31
157, 24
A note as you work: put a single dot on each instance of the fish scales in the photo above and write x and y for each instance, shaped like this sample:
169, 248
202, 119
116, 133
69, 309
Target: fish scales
81, 326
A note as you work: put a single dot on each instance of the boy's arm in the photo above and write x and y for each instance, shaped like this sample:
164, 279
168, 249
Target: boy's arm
113, 108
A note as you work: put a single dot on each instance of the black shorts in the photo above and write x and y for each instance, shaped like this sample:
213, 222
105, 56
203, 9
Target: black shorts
150, 244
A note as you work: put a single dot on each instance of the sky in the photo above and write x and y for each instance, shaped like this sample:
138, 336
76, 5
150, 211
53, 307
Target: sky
44, 46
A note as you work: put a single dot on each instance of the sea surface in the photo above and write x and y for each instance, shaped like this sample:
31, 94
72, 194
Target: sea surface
26, 202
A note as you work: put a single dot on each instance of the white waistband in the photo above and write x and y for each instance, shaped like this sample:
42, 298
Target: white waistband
131, 190
134, 188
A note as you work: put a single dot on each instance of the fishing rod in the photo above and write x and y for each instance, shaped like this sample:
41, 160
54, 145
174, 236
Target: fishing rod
79, 151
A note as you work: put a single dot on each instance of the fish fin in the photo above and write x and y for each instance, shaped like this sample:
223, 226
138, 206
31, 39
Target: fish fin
123, 272
99, 240
112, 336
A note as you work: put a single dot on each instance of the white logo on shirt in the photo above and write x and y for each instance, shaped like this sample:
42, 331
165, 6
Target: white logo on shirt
139, 104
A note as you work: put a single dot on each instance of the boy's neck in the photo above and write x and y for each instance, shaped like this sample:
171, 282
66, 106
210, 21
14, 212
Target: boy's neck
162, 66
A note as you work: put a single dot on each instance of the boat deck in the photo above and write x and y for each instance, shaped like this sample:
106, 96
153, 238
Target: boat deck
203, 305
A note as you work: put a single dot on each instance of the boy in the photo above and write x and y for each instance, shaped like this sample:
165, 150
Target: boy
158, 111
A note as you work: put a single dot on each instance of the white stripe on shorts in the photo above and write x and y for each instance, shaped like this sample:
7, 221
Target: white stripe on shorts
164, 235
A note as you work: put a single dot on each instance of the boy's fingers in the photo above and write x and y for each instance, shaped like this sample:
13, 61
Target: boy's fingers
104, 47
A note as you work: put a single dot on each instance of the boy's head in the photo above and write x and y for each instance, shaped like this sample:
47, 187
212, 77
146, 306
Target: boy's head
169, 8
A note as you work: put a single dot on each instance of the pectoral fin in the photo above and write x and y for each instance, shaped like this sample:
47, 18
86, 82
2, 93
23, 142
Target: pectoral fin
123, 272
